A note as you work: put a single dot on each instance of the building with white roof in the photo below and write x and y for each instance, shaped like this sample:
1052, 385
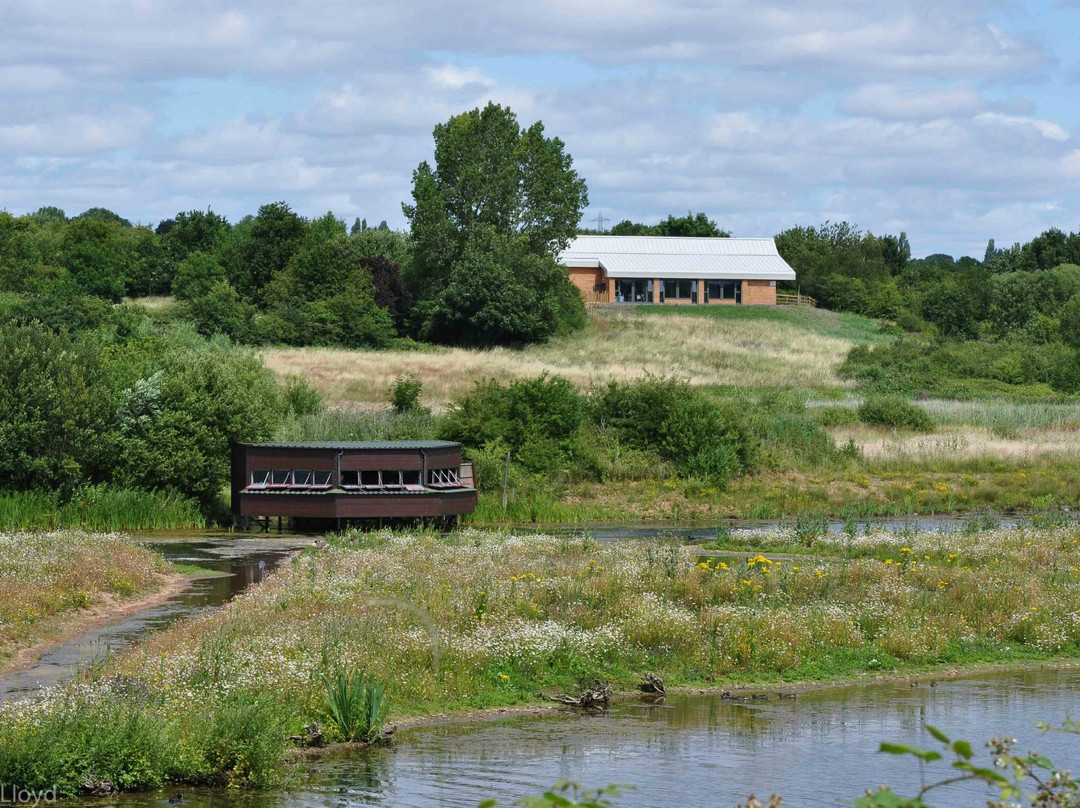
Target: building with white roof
677, 270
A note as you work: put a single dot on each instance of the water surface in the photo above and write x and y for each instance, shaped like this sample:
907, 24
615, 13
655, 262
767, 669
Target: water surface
817, 751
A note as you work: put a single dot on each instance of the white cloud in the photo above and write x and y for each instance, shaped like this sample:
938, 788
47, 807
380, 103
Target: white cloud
763, 114
1047, 129
914, 101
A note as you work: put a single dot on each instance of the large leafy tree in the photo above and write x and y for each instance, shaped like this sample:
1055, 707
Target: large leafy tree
503, 201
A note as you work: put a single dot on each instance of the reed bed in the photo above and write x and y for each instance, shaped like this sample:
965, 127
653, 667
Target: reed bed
1005, 415
480, 619
99, 508
44, 575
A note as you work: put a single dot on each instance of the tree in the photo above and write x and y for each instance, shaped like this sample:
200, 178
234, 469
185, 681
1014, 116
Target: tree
497, 191
696, 225
501, 293
265, 248
990, 253
98, 256
194, 231
196, 276
1069, 319
48, 215
55, 410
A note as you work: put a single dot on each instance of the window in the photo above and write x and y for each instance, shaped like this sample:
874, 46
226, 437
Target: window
280, 478
323, 478
260, 478
303, 479
391, 479
633, 290
350, 479
444, 477
678, 290
370, 479
725, 290
411, 479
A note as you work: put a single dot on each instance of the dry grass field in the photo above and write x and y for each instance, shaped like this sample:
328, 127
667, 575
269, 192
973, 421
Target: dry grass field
744, 347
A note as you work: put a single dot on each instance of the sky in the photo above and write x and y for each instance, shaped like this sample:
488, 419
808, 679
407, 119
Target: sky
952, 120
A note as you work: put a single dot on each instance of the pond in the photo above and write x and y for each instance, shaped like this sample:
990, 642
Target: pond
818, 750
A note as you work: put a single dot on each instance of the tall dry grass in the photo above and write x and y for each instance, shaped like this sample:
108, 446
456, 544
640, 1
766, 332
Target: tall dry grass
767, 350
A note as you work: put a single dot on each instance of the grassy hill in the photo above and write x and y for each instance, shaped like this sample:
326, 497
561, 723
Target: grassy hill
719, 346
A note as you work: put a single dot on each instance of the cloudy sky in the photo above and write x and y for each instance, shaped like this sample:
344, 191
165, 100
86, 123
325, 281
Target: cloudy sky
955, 120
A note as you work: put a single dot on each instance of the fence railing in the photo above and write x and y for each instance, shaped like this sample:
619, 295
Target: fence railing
783, 299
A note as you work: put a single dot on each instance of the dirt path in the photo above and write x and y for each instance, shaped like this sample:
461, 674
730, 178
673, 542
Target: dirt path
69, 625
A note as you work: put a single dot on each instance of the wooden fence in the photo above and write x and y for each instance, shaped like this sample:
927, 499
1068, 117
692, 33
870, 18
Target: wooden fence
795, 300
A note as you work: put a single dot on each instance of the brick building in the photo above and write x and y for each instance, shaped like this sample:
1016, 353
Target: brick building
675, 270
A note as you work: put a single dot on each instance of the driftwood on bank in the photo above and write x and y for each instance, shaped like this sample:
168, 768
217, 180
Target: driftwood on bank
596, 697
653, 684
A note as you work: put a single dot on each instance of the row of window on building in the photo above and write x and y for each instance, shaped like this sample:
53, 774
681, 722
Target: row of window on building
364, 480
640, 290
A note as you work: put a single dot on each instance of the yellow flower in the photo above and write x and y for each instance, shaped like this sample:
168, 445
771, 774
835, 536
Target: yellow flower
504, 677
905, 550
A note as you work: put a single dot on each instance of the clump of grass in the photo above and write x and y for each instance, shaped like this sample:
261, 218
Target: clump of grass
356, 706
99, 508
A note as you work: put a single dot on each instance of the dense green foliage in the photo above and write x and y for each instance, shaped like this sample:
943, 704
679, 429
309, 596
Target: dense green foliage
271, 278
631, 430
487, 223
895, 411
150, 409
695, 225
123, 740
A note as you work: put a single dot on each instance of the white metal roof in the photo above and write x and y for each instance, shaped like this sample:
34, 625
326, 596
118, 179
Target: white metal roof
677, 257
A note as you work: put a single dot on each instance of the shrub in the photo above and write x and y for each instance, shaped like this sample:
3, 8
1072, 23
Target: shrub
703, 437
895, 411
834, 415
300, 398
405, 393
539, 420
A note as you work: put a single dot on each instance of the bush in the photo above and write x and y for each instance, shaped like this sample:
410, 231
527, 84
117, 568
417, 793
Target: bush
300, 398
539, 420
681, 423
834, 415
405, 393
895, 411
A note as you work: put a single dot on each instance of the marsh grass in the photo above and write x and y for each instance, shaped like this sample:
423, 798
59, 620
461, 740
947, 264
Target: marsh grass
479, 619
989, 413
44, 576
100, 508
722, 346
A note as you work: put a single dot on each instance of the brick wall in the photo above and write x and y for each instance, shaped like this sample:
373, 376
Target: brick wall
586, 279
758, 293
